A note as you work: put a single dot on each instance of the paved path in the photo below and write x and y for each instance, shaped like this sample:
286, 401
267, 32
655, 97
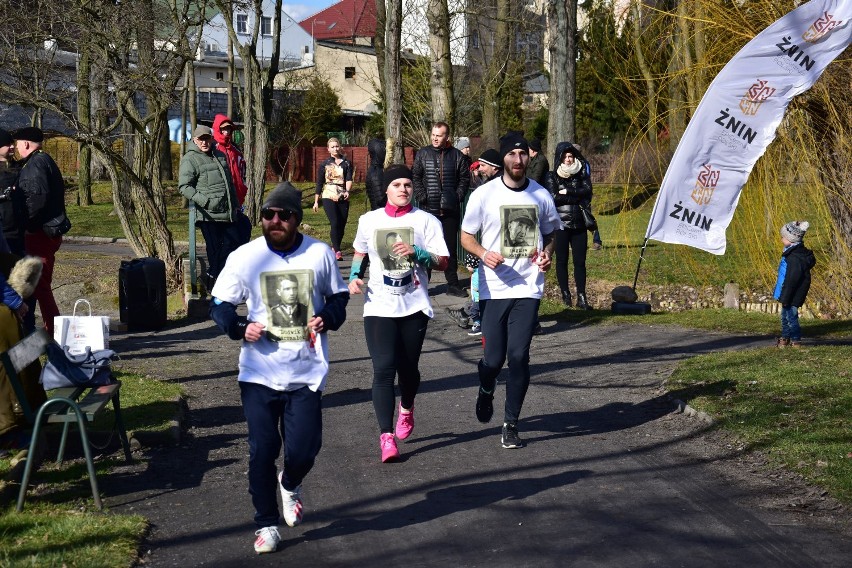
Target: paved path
609, 476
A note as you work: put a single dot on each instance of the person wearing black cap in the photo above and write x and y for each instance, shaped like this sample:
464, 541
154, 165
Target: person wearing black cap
511, 278
13, 203
283, 370
397, 308
441, 180
205, 179
41, 183
539, 166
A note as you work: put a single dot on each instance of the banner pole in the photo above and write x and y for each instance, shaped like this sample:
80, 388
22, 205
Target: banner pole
639, 265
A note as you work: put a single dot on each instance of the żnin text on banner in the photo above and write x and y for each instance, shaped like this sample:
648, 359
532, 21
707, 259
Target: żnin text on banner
737, 119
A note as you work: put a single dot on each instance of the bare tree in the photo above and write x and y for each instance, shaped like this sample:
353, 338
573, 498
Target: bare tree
441, 78
562, 102
393, 81
256, 101
496, 76
137, 53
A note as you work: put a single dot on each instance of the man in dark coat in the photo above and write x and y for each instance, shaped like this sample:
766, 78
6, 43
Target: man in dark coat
539, 166
441, 181
41, 183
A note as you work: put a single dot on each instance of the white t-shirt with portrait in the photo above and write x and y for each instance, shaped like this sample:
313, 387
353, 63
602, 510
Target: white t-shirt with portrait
512, 223
397, 286
289, 356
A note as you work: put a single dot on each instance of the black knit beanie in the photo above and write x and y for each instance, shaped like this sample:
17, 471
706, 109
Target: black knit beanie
395, 171
513, 140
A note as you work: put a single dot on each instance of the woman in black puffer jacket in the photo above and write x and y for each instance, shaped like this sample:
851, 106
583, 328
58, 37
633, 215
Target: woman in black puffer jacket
571, 187
375, 191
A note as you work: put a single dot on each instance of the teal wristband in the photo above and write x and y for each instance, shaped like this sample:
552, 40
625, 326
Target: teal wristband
422, 256
356, 271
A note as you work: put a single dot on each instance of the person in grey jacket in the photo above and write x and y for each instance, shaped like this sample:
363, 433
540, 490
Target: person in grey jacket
205, 179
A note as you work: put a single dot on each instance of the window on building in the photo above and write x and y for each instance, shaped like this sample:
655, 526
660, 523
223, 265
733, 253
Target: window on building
474, 39
266, 26
220, 76
242, 24
307, 49
349, 72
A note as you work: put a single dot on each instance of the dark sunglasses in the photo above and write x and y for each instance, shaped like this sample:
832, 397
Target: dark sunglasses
269, 214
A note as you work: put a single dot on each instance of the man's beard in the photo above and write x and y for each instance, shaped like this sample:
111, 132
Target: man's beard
280, 241
516, 177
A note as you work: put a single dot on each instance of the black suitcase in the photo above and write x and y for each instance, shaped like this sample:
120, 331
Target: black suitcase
142, 293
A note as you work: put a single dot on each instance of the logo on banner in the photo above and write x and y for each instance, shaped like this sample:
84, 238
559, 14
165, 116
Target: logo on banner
822, 26
757, 94
706, 182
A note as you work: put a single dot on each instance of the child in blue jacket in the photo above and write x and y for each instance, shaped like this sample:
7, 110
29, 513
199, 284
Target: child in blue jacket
794, 281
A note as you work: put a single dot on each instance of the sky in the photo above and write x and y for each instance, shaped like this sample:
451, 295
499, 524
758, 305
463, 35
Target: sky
306, 8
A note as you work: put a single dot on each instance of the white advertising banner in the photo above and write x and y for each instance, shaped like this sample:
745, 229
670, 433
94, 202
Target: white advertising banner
737, 119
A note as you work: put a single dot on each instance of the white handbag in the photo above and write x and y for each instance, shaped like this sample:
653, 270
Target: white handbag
79, 332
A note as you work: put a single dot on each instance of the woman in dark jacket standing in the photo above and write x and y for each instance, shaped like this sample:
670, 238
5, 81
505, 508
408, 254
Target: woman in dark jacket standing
375, 191
571, 188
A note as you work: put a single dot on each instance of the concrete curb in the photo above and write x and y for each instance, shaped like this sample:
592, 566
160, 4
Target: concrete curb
109, 240
683, 408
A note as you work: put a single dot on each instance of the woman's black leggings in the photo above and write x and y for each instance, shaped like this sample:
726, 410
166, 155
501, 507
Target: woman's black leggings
394, 345
579, 241
337, 213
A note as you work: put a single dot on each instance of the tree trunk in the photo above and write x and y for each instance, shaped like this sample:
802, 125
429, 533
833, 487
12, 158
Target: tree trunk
676, 70
562, 102
84, 115
193, 94
379, 43
496, 77
393, 81
256, 100
650, 85
441, 77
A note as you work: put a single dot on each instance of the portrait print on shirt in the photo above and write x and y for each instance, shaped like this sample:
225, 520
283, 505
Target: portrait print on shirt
397, 271
518, 230
335, 184
287, 297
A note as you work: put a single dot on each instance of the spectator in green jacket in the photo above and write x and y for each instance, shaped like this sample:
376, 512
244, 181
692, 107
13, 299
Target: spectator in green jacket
205, 179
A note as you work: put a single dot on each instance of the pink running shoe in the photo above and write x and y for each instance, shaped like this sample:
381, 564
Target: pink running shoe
388, 445
404, 423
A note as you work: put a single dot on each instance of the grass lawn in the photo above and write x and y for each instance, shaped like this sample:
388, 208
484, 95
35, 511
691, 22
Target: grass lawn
793, 404
59, 525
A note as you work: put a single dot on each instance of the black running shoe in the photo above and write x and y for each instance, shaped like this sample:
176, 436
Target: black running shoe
510, 436
484, 406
